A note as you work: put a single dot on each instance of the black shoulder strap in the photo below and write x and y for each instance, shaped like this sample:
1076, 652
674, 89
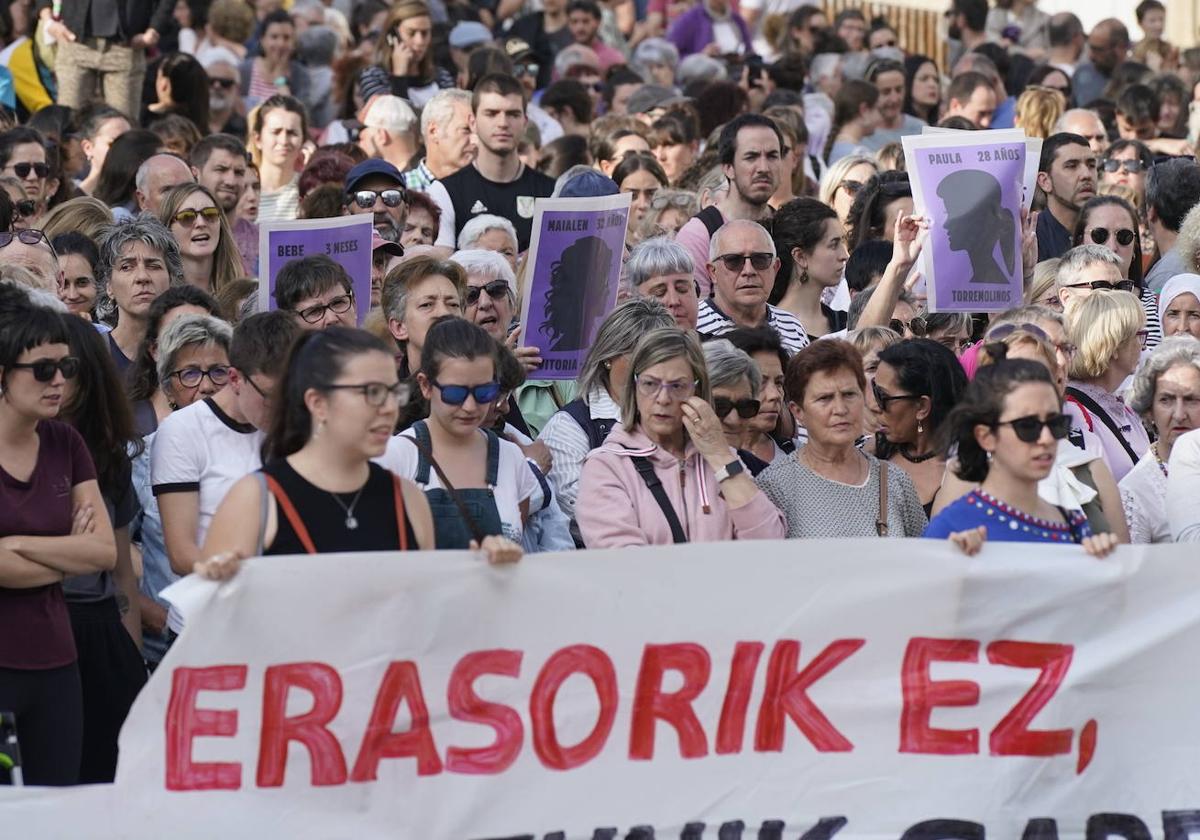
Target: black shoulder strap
654, 484
712, 218
1093, 407
596, 429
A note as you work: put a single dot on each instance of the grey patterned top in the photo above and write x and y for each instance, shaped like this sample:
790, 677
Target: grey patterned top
815, 507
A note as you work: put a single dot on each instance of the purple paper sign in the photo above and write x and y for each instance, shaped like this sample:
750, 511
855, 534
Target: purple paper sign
578, 245
971, 192
346, 240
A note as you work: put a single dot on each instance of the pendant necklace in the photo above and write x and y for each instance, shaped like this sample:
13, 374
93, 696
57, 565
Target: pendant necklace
351, 522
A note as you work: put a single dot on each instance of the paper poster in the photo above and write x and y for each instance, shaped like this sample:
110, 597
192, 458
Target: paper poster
577, 249
1033, 156
346, 239
969, 186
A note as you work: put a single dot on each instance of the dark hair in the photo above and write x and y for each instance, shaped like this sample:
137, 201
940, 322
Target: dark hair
975, 13
451, 337
1135, 265
790, 72
92, 119
262, 341
868, 211
306, 277
848, 14
569, 94
853, 94
618, 74
673, 129
883, 65
867, 263
798, 224
1138, 103
418, 200
501, 83
126, 154
189, 87
637, 162
54, 122
80, 244
510, 373
99, 410
958, 124
1041, 72
18, 136
982, 403
143, 374
751, 340
314, 360
964, 85
323, 202
1053, 143
1146, 7
203, 150
6, 211
176, 127
723, 101
276, 16
24, 325
825, 356
1171, 190
560, 155
926, 368
326, 166
1063, 28
588, 6
1125, 75
487, 61
1143, 152
728, 141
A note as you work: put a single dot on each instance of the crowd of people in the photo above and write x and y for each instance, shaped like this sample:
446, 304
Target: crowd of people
769, 371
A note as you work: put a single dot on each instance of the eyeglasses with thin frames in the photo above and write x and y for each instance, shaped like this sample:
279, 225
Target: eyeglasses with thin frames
377, 393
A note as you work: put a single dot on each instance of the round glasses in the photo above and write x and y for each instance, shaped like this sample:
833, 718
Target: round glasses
1124, 236
22, 170
339, 305
191, 377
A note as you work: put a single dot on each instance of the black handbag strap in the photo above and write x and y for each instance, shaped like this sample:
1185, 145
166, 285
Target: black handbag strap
427, 452
654, 484
1094, 408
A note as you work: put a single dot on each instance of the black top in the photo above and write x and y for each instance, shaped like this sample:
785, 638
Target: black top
325, 519
133, 17
1053, 239
473, 195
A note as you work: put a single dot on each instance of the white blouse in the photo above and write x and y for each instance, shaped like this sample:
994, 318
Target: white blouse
1144, 498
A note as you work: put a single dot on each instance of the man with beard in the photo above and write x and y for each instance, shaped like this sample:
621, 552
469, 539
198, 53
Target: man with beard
375, 186
751, 156
497, 182
1067, 175
224, 82
1107, 46
219, 163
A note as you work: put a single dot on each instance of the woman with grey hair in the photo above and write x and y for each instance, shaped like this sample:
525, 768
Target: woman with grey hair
490, 233
656, 59
736, 383
139, 260
661, 268
584, 424
1166, 394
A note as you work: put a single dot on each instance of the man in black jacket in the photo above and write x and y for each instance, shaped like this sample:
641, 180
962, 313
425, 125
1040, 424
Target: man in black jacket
105, 42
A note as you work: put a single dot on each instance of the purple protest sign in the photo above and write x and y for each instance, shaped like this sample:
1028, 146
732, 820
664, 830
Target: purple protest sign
969, 186
346, 240
577, 250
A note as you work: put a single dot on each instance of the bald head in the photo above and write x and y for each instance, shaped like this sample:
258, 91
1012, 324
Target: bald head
1108, 45
1086, 124
156, 177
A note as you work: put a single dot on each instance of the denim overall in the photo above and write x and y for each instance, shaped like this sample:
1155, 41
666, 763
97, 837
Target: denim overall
450, 531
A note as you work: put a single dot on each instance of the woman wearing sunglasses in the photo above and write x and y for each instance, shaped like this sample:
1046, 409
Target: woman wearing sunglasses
736, 381
842, 182
477, 485
210, 256
1006, 429
667, 474
53, 524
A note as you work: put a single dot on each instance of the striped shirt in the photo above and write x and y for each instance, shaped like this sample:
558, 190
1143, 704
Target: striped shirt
281, 206
712, 321
568, 444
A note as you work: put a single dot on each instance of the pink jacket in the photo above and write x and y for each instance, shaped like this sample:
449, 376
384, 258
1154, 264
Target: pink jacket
615, 507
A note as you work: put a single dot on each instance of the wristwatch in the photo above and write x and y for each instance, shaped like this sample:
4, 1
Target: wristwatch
730, 470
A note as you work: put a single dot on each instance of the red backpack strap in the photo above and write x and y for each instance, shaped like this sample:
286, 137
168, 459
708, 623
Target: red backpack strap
398, 498
293, 518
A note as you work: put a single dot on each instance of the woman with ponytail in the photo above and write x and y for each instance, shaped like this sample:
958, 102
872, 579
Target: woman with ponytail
855, 117
811, 244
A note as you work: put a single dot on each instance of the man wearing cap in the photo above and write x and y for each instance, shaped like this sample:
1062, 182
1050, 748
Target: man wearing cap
546, 32
385, 256
464, 38
389, 131
649, 102
497, 181
376, 186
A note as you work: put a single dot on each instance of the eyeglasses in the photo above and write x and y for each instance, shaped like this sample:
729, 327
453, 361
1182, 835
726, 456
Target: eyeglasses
25, 208
746, 408
44, 369
678, 391
496, 289
884, 398
890, 43
1124, 236
377, 393
457, 394
224, 84
1130, 167
759, 261
1143, 336
365, 199
22, 170
1029, 429
29, 236
679, 199
191, 377
1005, 330
187, 218
265, 396
1105, 286
338, 305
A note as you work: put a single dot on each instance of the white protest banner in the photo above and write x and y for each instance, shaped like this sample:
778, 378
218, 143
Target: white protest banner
346, 240
856, 690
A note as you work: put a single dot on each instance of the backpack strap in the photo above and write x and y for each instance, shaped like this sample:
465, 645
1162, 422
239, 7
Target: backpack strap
493, 458
597, 429
654, 484
1092, 406
293, 517
547, 494
712, 220
424, 446
881, 522
264, 511
398, 501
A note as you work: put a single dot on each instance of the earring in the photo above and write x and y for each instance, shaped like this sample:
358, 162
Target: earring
988, 452
317, 429
920, 428
608, 365
803, 277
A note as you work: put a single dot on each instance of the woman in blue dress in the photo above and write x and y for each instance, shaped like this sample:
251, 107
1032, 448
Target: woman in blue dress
1006, 429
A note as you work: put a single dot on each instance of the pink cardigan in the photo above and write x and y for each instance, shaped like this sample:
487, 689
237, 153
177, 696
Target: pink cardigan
615, 508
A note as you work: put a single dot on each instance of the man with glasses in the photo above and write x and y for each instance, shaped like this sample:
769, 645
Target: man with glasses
23, 156
1172, 188
1067, 175
1107, 46
224, 91
743, 264
377, 187
32, 250
1086, 269
317, 291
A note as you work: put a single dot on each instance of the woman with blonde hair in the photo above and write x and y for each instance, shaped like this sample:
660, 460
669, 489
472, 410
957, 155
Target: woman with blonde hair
278, 129
404, 52
1042, 290
196, 220
1108, 331
843, 180
1038, 109
84, 215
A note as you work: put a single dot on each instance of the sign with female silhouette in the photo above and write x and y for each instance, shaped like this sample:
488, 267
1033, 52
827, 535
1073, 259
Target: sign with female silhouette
969, 186
576, 255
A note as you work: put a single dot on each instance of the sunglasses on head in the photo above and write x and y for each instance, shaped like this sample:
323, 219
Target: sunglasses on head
29, 236
1131, 167
22, 170
496, 289
365, 199
670, 200
44, 369
187, 218
759, 261
457, 394
1029, 429
1125, 236
746, 408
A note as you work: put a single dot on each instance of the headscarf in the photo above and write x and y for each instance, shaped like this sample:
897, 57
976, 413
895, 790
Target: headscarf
1180, 284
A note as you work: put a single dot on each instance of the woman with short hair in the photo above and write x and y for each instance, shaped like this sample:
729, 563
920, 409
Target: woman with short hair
662, 269
490, 233
735, 381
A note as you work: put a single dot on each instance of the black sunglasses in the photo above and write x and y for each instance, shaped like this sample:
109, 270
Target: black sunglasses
365, 199
44, 369
746, 408
1029, 429
227, 84
885, 399
457, 394
22, 169
496, 289
1105, 286
1132, 167
1124, 236
759, 261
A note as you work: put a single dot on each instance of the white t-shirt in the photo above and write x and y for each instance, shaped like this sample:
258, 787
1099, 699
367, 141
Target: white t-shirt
515, 482
200, 448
